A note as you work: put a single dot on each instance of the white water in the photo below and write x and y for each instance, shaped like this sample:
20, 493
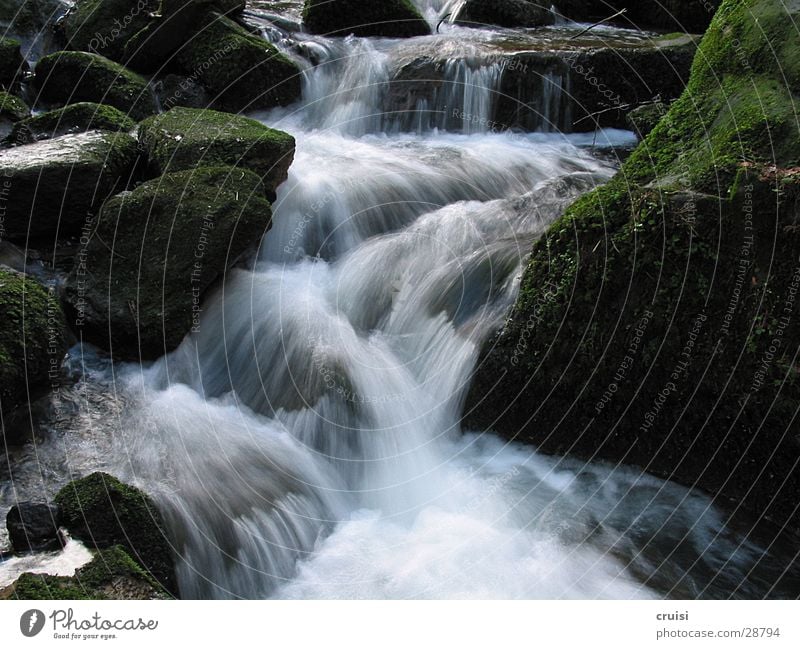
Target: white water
305, 442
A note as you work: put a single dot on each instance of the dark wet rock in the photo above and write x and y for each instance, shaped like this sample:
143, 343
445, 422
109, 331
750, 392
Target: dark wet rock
241, 71
29, 17
12, 109
506, 13
691, 16
102, 512
12, 65
184, 138
578, 90
75, 118
178, 90
140, 300
105, 26
590, 88
32, 339
390, 18
33, 527
53, 186
71, 77
112, 574
658, 319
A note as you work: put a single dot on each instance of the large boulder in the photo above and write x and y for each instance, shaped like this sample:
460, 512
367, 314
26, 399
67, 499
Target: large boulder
137, 287
32, 341
52, 187
102, 512
33, 527
75, 118
242, 71
390, 18
70, 77
506, 13
658, 320
112, 574
184, 138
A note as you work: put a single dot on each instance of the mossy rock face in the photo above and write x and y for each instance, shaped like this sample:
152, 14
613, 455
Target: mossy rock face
52, 187
390, 18
75, 118
184, 138
13, 108
12, 65
241, 71
102, 512
643, 120
112, 574
32, 341
172, 238
658, 320
71, 77
506, 13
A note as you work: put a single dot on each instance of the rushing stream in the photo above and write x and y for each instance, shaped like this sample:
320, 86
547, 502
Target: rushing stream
305, 441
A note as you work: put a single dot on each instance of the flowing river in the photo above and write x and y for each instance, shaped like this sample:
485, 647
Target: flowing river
305, 442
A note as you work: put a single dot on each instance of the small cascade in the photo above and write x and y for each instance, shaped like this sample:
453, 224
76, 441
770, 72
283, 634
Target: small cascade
455, 95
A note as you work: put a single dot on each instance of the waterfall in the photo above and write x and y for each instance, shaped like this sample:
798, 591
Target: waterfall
304, 441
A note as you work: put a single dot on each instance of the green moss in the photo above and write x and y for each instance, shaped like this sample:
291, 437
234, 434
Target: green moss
184, 138
391, 18
75, 118
102, 512
12, 108
31, 337
242, 71
71, 77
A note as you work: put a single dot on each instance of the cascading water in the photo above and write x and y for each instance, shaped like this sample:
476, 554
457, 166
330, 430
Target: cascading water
305, 441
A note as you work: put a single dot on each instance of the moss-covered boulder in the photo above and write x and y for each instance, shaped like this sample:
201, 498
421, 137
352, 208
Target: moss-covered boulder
101, 511
75, 118
658, 320
12, 108
12, 64
390, 18
71, 77
137, 288
112, 574
32, 341
184, 138
506, 13
52, 187
242, 71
